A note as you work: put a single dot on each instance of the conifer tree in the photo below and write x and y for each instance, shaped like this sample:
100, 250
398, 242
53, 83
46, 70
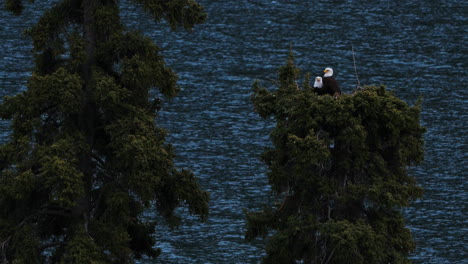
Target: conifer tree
339, 168
85, 158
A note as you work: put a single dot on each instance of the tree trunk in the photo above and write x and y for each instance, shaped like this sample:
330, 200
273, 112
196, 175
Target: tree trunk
89, 33
87, 116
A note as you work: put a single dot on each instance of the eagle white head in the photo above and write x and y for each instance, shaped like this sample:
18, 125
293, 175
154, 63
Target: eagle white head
318, 82
328, 72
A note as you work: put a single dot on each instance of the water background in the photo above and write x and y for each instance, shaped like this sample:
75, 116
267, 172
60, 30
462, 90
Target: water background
416, 48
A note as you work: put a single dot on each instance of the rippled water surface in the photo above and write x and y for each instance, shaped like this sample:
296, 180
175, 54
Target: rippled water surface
417, 48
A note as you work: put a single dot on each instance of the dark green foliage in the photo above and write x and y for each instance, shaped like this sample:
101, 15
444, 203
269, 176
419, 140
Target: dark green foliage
178, 13
340, 168
85, 158
14, 6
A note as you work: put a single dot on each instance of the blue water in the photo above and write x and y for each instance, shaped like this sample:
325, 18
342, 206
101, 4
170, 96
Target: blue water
416, 48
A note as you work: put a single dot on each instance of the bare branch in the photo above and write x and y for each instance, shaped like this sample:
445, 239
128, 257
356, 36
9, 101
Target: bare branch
355, 69
331, 255
3, 246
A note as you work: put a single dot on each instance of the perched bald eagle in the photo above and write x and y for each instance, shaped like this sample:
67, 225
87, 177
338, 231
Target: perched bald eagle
330, 85
318, 82
318, 86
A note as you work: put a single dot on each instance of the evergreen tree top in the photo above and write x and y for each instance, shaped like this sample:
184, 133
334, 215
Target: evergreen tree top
339, 166
86, 158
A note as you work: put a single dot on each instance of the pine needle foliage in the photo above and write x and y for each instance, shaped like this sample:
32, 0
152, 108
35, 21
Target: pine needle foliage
85, 158
339, 168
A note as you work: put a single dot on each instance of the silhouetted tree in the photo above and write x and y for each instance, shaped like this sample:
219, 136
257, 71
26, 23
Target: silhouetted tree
339, 167
85, 158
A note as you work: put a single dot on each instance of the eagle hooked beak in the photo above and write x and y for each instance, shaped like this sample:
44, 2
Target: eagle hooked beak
325, 71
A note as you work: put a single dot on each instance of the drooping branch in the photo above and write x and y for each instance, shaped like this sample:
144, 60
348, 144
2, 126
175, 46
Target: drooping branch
181, 13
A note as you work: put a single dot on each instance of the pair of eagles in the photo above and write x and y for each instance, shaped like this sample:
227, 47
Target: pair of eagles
327, 84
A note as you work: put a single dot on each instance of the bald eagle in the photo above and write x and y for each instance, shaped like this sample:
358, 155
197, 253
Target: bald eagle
318, 82
330, 85
318, 86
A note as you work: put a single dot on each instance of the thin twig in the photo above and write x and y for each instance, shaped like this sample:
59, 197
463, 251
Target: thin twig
273, 81
3, 245
331, 254
355, 69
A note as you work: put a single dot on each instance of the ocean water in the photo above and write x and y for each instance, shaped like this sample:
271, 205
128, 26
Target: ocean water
416, 48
